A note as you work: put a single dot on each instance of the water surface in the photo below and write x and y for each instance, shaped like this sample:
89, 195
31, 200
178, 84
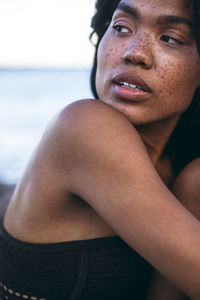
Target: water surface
28, 100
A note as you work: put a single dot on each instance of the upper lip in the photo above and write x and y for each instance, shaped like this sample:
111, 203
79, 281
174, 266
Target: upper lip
131, 78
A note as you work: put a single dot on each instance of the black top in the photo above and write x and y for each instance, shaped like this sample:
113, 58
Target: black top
95, 269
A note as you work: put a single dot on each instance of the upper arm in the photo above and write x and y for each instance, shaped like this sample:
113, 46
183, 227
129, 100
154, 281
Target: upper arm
106, 163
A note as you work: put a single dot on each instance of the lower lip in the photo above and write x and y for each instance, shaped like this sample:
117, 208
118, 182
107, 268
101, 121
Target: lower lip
128, 94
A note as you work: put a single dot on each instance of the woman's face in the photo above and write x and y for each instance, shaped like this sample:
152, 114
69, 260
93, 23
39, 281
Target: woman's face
148, 62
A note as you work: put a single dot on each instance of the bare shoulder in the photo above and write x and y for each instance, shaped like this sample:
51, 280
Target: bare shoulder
190, 175
81, 132
187, 186
84, 106
89, 125
193, 168
75, 125
91, 115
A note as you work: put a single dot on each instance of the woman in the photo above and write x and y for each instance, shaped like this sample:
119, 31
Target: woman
93, 177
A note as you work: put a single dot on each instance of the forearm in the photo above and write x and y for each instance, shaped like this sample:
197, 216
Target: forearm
161, 288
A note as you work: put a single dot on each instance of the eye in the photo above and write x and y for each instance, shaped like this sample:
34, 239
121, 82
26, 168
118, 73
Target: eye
121, 29
170, 40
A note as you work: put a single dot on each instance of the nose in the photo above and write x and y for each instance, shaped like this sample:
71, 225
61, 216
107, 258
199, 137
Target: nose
139, 51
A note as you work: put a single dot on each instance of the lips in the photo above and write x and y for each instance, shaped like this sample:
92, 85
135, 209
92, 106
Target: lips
131, 79
130, 87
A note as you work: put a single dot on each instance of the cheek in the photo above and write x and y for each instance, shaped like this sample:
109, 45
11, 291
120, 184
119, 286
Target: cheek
102, 60
109, 52
107, 58
178, 82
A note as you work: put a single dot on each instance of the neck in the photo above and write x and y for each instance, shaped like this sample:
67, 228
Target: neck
155, 137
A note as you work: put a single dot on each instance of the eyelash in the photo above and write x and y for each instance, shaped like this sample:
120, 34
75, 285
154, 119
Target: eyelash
177, 42
118, 29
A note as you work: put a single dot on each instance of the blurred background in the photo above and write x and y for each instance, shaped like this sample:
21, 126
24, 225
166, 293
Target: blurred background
45, 61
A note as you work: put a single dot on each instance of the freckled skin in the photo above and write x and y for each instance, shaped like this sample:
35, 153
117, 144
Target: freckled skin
171, 71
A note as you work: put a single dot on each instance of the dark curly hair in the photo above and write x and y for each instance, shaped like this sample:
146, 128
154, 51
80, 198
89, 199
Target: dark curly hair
184, 143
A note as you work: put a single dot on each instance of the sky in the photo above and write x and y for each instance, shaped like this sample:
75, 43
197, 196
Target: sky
45, 33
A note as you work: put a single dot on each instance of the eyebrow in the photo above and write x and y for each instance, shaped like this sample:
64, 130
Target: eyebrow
134, 12
161, 20
171, 19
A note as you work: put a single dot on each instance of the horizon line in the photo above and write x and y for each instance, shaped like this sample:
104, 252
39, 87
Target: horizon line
43, 68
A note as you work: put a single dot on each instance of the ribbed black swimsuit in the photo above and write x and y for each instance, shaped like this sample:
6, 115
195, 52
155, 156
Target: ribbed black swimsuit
96, 269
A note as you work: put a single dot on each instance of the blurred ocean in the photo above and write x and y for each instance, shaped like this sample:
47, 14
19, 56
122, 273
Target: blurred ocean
28, 100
